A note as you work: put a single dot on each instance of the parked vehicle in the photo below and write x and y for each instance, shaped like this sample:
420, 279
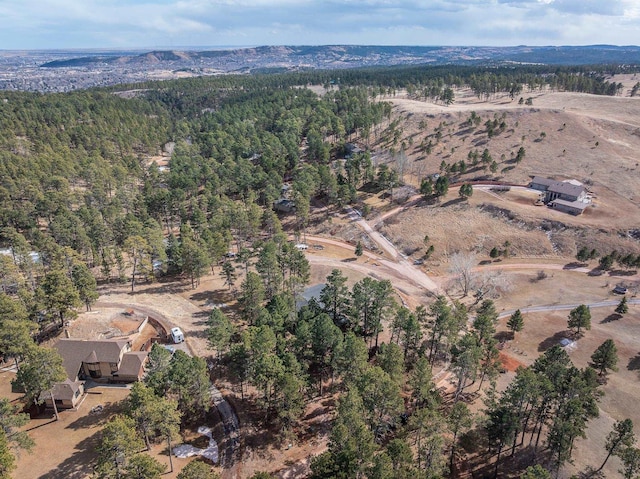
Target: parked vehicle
177, 336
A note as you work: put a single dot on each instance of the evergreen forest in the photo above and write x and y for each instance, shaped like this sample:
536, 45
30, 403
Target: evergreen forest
83, 203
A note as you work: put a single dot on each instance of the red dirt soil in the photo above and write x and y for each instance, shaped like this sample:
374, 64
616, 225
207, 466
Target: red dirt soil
509, 363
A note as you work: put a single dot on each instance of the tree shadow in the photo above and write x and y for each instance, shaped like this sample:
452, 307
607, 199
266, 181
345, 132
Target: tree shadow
371, 187
41, 425
95, 419
218, 296
612, 317
431, 201
574, 265
595, 272
590, 473
553, 340
317, 412
161, 289
503, 336
452, 202
200, 333
511, 466
76, 466
634, 363
623, 272
201, 314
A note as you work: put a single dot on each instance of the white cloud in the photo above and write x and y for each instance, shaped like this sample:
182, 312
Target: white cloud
94, 23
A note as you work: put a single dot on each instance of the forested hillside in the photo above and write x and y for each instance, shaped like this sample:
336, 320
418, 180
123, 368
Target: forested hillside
81, 202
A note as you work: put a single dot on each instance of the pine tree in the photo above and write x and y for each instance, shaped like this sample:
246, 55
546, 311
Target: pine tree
426, 187
7, 460
619, 439
630, 458
583, 255
143, 466
85, 283
229, 274
605, 357
252, 296
536, 472
40, 370
120, 442
335, 294
579, 318
465, 191
516, 322
198, 470
219, 331
623, 307
459, 419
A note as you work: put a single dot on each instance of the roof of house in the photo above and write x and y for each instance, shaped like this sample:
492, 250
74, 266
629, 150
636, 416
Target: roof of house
66, 390
564, 188
131, 363
76, 351
579, 205
540, 180
312, 292
284, 202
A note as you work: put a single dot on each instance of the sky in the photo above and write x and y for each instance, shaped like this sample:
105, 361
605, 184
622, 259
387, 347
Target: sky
45, 24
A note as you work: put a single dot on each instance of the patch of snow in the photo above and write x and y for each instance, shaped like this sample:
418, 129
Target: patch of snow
568, 344
216, 305
573, 182
187, 450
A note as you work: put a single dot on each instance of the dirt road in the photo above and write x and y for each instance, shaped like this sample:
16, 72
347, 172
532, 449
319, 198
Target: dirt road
401, 270
567, 307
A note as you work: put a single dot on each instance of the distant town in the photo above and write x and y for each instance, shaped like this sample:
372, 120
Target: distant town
67, 70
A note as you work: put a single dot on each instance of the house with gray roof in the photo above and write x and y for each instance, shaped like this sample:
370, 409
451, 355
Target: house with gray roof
101, 360
571, 207
66, 394
541, 183
565, 191
567, 196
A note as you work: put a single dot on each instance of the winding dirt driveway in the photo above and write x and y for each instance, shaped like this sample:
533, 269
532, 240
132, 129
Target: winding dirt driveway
401, 272
230, 422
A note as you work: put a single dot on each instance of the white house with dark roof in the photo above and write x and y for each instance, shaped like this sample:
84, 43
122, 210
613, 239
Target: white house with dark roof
541, 183
567, 196
571, 207
563, 190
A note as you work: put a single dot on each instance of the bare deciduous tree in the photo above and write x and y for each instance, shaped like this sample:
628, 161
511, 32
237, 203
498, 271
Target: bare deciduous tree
401, 163
491, 284
461, 267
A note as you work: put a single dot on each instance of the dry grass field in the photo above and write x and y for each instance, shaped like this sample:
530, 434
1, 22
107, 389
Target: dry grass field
590, 138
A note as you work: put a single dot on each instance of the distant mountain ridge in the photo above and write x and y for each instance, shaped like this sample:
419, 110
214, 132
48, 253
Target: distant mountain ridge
349, 56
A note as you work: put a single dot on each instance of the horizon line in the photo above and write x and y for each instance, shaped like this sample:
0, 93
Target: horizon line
237, 47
